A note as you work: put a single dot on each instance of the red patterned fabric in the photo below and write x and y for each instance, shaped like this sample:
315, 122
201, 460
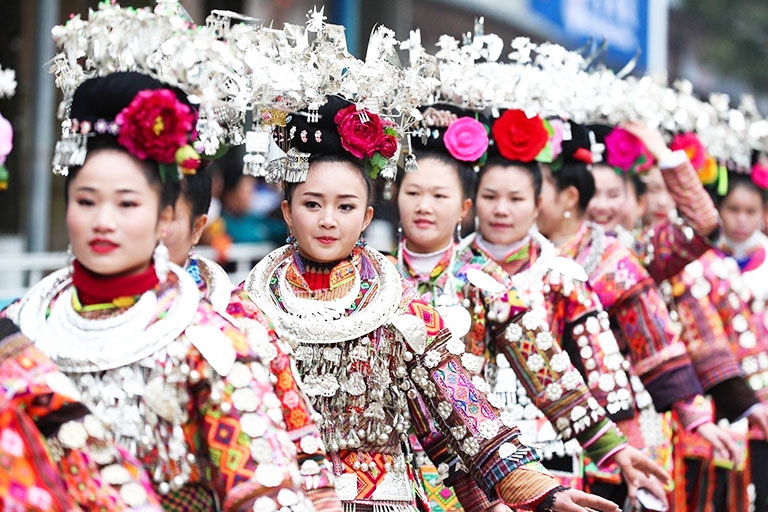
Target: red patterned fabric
34, 475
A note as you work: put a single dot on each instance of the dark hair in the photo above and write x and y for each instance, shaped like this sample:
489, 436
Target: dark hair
735, 180
196, 190
640, 186
532, 167
577, 175
464, 171
289, 187
103, 98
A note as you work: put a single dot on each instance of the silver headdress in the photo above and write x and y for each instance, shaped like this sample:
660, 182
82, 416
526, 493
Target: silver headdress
164, 44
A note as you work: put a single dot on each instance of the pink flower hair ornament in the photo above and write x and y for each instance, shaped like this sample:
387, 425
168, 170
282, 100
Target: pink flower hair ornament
626, 153
367, 137
759, 173
690, 143
6, 145
466, 139
157, 126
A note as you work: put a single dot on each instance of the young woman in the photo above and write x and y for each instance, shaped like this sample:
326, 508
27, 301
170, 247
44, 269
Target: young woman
179, 385
432, 202
639, 317
667, 243
190, 215
375, 359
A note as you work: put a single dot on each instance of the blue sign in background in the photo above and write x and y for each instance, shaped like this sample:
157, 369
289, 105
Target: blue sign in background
623, 23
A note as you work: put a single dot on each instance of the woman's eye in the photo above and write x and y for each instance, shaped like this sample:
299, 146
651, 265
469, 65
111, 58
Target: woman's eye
128, 204
346, 207
84, 202
312, 204
411, 193
441, 196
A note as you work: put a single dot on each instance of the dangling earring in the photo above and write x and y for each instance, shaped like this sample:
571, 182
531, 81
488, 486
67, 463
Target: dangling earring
399, 234
477, 224
70, 259
458, 231
161, 258
567, 214
361, 243
291, 240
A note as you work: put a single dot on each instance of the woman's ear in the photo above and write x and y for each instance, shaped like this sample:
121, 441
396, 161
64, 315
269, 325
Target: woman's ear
571, 198
466, 206
164, 221
285, 207
368, 218
197, 228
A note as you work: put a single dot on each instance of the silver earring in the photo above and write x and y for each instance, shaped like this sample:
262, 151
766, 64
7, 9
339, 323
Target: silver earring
477, 224
458, 231
161, 259
567, 214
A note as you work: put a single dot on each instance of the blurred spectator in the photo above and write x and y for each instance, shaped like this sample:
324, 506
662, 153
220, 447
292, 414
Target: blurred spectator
244, 209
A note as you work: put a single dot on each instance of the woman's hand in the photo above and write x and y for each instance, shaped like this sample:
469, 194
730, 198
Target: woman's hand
650, 137
722, 442
759, 418
639, 471
572, 500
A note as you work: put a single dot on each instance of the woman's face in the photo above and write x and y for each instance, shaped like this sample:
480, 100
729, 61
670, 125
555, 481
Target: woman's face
607, 205
741, 213
237, 201
431, 204
554, 204
659, 202
112, 214
506, 204
183, 233
328, 212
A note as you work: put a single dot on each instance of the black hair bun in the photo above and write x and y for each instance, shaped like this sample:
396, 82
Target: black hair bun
576, 148
601, 131
433, 134
320, 137
105, 96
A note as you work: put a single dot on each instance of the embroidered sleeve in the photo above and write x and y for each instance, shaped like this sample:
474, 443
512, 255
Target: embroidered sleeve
44, 432
547, 372
317, 475
670, 244
486, 441
693, 202
693, 412
645, 331
745, 329
252, 456
702, 330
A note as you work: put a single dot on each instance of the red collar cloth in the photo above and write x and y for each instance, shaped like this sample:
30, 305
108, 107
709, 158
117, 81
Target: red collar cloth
97, 289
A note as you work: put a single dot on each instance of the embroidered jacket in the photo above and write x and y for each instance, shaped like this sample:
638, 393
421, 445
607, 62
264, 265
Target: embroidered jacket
543, 368
668, 245
56, 456
560, 294
641, 323
376, 360
214, 285
467, 279
180, 387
